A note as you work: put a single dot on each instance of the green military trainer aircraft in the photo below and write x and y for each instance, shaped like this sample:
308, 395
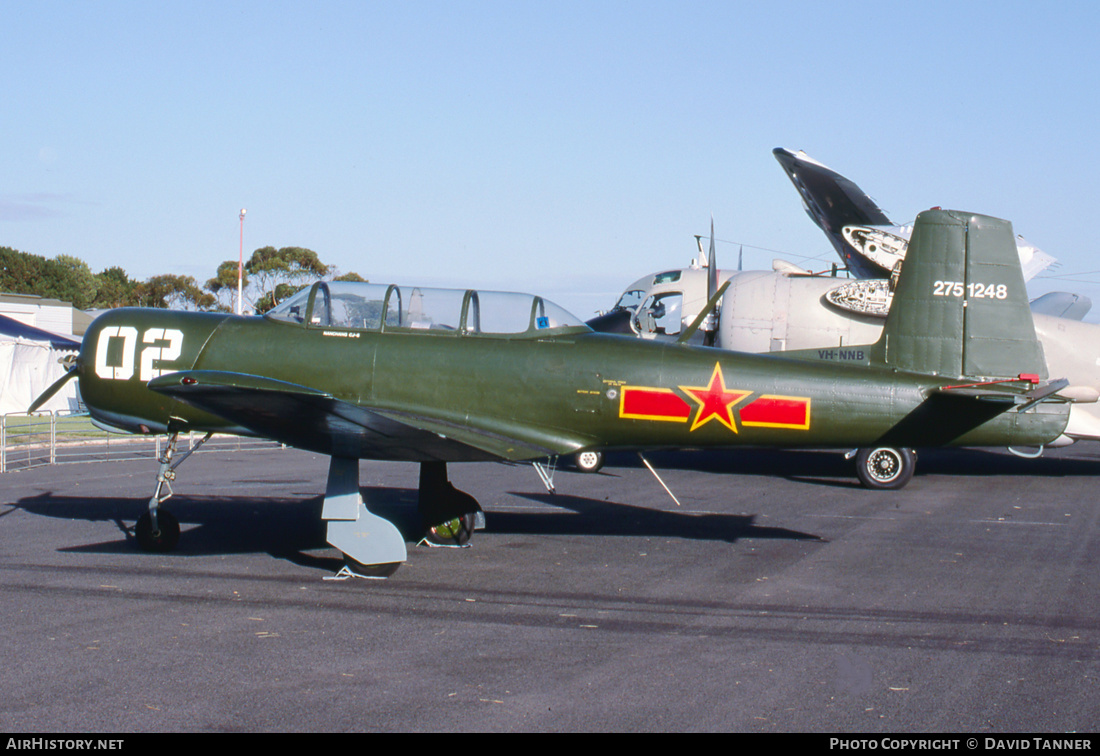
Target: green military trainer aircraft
365, 371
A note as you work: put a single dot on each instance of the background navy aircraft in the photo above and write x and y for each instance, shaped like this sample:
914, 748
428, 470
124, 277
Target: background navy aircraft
366, 371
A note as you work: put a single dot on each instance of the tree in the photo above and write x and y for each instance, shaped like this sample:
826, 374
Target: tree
174, 292
353, 276
274, 275
20, 272
116, 289
71, 280
65, 277
224, 284
278, 273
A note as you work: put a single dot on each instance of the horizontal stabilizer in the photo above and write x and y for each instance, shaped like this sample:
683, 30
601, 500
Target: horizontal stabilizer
1000, 391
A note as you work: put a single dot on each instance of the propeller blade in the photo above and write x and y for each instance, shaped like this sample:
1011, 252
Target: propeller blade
53, 389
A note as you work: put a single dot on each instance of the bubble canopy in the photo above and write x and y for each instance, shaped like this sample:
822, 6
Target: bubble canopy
384, 307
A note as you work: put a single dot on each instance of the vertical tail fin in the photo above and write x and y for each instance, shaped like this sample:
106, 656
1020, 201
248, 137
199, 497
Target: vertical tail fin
960, 308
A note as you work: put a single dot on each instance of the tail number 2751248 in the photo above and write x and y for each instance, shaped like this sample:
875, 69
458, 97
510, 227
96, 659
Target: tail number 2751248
973, 290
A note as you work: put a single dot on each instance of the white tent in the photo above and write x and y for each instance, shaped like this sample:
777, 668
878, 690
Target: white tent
27, 368
30, 361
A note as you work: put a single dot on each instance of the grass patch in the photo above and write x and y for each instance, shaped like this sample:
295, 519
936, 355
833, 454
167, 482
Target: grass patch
30, 429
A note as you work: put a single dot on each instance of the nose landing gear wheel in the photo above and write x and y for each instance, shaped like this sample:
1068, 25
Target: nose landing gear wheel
884, 468
163, 538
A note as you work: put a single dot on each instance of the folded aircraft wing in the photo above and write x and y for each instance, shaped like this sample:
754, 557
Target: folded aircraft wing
868, 242
831, 200
312, 419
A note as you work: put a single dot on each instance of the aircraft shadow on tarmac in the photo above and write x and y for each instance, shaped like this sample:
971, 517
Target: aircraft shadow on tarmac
831, 468
282, 527
601, 518
286, 528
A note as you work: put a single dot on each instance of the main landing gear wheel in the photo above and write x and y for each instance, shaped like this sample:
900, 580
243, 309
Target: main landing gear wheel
161, 539
449, 516
589, 461
453, 532
885, 468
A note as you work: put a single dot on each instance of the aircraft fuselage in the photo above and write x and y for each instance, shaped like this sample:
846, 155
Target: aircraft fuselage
561, 393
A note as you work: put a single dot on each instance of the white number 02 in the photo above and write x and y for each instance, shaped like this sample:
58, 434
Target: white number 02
130, 349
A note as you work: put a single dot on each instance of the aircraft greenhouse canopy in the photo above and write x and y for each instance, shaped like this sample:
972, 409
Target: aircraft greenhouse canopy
373, 307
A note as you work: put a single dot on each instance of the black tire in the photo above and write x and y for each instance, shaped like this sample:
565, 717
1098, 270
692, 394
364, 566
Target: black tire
164, 539
885, 468
589, 461
454, 532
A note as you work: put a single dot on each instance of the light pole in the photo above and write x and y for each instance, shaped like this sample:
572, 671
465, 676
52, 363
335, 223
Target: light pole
240, 266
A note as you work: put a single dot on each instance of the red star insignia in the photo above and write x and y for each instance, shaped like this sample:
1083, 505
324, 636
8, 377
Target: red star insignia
715, 402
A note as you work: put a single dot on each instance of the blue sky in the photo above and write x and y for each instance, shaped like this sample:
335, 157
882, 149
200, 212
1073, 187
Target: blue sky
562, 148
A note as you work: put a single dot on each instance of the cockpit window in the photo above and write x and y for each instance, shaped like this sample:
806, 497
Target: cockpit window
427, 309
346, 304
293, 309
660, 315
630, 299
548, 315
498, 312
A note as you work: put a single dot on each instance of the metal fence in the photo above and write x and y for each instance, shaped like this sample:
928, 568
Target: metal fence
57, 438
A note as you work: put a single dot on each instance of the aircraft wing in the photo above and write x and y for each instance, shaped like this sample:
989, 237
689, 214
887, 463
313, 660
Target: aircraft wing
315, 420
1062, 304
1033, 260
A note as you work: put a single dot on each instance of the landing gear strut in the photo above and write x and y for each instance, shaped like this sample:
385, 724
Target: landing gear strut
158, 530
372, 546
449, 516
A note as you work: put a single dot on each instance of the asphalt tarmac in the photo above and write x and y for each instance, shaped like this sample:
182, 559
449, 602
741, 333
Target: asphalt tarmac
779, 596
